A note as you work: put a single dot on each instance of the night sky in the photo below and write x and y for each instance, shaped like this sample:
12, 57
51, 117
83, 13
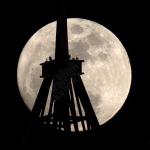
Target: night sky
128, 21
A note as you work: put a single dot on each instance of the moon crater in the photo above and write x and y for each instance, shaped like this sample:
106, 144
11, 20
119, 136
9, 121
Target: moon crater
76, 29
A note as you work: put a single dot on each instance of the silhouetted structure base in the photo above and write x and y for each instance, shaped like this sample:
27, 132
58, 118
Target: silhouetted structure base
68, 105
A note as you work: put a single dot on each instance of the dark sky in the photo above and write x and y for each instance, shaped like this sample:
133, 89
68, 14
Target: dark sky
128, 21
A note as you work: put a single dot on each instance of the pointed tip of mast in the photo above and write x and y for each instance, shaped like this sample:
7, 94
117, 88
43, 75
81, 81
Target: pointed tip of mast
61, 51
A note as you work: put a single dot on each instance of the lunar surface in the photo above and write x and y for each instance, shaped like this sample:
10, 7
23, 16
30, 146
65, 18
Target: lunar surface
106, 66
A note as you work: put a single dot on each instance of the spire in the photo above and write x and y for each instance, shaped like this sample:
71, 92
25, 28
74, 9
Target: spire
61, 51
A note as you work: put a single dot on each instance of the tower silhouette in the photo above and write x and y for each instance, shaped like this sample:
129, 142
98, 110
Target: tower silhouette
68, 108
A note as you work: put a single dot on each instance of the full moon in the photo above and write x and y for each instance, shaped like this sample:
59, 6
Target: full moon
106, 66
